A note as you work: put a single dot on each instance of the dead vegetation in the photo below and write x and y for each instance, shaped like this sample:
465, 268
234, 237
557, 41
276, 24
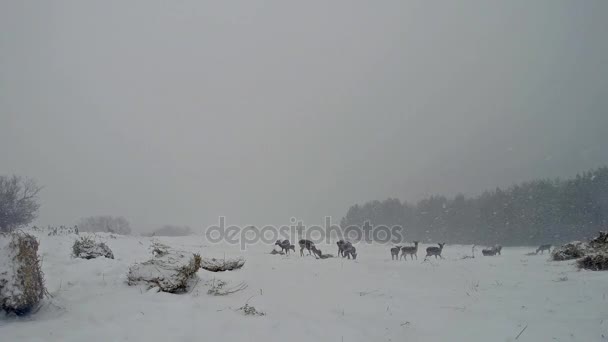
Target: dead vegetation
21, 279
218, 288
250, 310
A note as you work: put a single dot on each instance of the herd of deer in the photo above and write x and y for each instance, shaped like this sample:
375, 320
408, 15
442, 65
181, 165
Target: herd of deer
346, 249
412, 251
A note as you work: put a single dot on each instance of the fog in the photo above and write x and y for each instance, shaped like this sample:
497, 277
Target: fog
176, 113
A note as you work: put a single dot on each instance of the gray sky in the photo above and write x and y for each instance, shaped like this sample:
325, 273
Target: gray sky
177, 112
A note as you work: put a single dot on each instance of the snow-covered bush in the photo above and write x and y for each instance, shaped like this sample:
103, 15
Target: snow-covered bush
597, 258
592, 256
87, 248
595, 262
572, 250
172, 272
221, 265
21, 279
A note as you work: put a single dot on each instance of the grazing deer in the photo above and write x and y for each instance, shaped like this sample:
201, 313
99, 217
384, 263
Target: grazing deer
285, 246
410, 250
306, 244
395, 252
543, 248
498, 248
316, 252
350, 251
434, 251
342, 245
320, 254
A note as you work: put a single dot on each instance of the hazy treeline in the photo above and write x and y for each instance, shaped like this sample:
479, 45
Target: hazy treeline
171, 230
530, 213
108, 224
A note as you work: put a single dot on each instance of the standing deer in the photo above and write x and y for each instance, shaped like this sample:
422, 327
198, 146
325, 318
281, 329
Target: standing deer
349, 252
410, 250
342, 245
285, 246
434, 251
395, 252
543, 248
306, 244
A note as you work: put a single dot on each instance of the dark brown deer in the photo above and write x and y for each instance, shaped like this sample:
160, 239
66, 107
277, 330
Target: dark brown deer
341, 246
410, 250
349, 252
395, 252
492, 251
285, 246
434, 251
306, 244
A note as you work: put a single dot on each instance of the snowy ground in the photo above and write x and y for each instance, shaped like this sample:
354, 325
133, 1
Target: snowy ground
371, 299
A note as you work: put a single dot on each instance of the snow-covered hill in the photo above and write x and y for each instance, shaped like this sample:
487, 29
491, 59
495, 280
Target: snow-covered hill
305, 299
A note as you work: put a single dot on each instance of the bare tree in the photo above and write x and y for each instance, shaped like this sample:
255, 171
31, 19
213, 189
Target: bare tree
18, 202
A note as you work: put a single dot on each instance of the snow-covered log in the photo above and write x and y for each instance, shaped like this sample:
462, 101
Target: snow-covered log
21, 279
172, 272
220, 265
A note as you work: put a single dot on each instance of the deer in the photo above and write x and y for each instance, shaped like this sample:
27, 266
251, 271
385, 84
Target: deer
319, 254
492, 251
410, 250
543, 248
349, 251
285, 246
341, 246
395, 252
434, 251
309, 245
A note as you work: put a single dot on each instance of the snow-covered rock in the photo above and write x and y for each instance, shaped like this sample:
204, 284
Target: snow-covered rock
21, 280
87, 248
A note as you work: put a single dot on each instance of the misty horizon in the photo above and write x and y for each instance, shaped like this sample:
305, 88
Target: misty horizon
262, 112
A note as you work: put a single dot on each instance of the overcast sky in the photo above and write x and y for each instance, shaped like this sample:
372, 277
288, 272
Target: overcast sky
181, 111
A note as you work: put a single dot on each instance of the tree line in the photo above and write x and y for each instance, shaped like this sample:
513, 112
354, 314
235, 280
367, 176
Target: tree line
530, 213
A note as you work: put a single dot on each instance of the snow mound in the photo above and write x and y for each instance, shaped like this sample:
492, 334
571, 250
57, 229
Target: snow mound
87, 248
172, 272
221, 265
21, 279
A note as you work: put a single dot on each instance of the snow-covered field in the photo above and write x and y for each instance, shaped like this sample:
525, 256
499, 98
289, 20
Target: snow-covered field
370, 299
